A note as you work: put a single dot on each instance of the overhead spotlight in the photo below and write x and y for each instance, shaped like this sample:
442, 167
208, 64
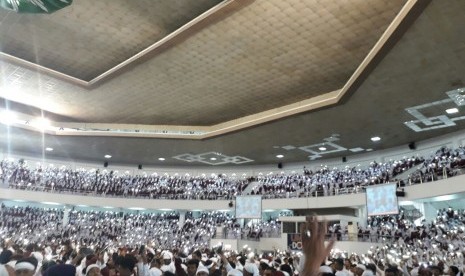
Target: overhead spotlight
322, 148
161, 159
213, 158
279, 156
375, 139
452, 110
49, 149
107, 156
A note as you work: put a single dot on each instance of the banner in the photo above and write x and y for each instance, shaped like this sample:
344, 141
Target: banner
294, 242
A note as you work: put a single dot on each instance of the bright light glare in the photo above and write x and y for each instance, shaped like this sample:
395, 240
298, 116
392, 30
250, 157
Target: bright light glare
375, 139
8, 118
41, 123
279, 156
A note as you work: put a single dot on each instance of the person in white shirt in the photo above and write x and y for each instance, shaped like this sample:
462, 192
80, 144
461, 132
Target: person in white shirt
155, 267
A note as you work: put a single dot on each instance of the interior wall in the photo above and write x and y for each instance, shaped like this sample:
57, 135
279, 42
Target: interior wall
424, 148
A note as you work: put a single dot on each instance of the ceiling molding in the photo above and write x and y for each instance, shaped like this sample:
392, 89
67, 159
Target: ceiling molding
408, 11
218, 12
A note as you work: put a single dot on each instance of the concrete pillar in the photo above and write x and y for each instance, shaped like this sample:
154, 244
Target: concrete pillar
363, 216
182, 218
430, 213
66, 211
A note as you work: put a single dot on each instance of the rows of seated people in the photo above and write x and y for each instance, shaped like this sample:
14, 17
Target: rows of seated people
444, 163
437, 245
322, 182
438, 250
398, 228
20, 175
45, 225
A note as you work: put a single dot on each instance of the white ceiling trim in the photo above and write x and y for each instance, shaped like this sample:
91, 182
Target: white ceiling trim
203, 132
110, 72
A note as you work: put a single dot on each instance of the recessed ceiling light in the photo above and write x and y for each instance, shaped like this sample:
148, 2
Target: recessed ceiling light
322, 148
452, 110
161, 159
375, 139
49, 149
107, 156
213, 158
279, 156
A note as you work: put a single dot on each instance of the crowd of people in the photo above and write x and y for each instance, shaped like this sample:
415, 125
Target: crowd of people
444, 163
20, 175
98, 228
324, 181
429, 248
68, 258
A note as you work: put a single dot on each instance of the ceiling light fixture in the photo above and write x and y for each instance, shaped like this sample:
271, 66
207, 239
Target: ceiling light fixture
213, 158
279, 156
375, 139
452, 110
322, 148
49, 149
107, 156
161, 159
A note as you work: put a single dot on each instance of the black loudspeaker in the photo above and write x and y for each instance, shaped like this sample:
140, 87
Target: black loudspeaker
105, 164
350, 223
280, 165
140, 167
412, 146
344, 159
400, 193
231, 204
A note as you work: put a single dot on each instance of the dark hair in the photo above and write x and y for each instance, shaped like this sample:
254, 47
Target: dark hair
264, 266
46, 265
371, 267
454, 269
127, 261
287, 268
5, 256
193, 262
156, 261
197, 253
